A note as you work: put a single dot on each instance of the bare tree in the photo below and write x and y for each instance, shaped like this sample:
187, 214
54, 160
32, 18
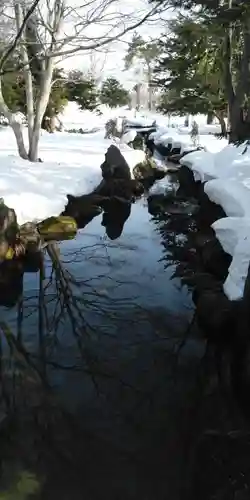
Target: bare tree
45, 32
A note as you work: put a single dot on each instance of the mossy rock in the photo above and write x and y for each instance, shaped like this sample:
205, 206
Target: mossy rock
144, 169
6, 251
8, 224
56, 237
60, 226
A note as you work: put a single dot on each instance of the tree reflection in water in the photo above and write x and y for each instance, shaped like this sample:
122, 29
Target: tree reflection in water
218, 446
101, 395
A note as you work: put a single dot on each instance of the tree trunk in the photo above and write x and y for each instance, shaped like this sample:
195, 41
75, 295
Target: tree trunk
15, 124
41, 105
150, 93
60, 124
210, 117
27, 74
239, 115
53, 124
240, 125
138, 95
222, 122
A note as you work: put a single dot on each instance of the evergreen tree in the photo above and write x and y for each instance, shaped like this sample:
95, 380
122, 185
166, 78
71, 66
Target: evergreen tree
113, 93
82, 90
232, 17
190, 73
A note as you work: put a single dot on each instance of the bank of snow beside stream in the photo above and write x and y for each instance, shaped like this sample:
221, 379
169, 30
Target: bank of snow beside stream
71, 165
226, 175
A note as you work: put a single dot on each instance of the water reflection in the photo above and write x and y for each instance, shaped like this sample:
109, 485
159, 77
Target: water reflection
114, 218
11, 282
103, 383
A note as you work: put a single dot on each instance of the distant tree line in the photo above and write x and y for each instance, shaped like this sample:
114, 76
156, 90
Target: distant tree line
73, 86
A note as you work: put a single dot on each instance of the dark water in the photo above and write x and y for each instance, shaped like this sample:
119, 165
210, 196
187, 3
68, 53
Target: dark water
104, 387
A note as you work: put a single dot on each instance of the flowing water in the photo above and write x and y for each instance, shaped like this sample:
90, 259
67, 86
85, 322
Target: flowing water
101, 379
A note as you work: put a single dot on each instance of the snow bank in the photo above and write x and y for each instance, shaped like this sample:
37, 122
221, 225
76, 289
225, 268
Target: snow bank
71, 166
226, 175
180, 138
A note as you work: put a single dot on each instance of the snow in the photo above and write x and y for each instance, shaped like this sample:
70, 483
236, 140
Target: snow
128, 137
74, 118
226, 175
71, 166
179, 137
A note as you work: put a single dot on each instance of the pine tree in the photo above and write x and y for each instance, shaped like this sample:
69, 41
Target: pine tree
113, 93
190, 73
82, 90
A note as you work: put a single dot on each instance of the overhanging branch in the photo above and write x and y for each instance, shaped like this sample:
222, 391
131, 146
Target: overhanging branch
11, 49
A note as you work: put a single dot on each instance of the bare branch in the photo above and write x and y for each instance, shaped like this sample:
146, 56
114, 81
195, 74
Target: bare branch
55, 43
19, 34
102, 41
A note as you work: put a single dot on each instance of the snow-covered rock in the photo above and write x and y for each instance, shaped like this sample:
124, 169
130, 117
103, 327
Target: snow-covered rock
128, 136
226, 175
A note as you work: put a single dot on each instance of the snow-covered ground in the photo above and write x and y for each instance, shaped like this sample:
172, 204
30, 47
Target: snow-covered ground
226, 175
72, 118
71, 166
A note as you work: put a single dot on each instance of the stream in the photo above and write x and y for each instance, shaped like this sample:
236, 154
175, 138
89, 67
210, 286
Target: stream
105, 381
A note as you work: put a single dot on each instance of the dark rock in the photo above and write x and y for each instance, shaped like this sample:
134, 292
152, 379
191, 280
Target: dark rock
188, 186
122, 188
175, 158
137, 187
83, 208
150, 146
172, 169
174, 152
216, 315
205, 282
163, 150
204, 236
115, 165
32, 262
215, 260
209, 211
138, 142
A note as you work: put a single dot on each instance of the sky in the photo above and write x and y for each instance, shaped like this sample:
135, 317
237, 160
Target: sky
110, 62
